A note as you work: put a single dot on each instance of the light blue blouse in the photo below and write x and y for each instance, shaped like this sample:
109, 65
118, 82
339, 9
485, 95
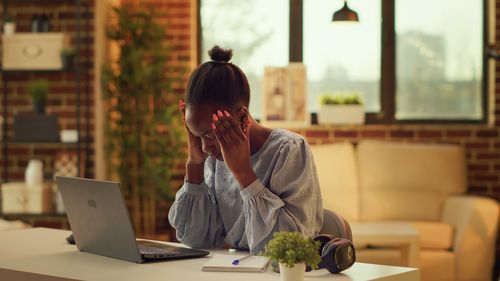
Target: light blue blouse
285, 197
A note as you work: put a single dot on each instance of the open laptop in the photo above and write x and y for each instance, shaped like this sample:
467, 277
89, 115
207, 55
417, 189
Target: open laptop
101, 224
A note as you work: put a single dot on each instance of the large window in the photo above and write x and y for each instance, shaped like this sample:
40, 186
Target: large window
343, 58
256, 30
439, 61
423, 62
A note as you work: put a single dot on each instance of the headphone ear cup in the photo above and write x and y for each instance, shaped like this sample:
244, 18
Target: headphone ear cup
338, 255
323, 239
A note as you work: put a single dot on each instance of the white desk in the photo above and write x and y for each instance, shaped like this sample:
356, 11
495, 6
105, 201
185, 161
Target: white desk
401, 235
43, 254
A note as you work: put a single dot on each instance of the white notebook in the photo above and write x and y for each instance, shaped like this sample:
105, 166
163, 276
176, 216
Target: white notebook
220, 262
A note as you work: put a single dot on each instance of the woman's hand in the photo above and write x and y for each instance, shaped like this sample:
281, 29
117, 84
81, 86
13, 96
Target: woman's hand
235, 146
196, 155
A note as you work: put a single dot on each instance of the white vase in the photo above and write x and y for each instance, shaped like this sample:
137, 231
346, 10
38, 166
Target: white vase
296, 273
34, 172
9, 28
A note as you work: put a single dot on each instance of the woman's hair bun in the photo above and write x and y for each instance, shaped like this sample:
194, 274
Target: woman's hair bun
219, 54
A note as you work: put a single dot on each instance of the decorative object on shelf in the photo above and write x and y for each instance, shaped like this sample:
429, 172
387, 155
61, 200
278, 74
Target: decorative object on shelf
38, 90
9, 26
40, 23
36, 128
144, 122
34, 172
32, 51
69, 136
345, 14
19, 198
292, 251
341, 109
285, 96
68, 55
66, 164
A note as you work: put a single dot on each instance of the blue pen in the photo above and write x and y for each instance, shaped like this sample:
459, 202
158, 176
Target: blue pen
237, 261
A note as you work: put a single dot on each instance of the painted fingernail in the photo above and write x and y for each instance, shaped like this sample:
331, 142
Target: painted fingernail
226, 113
219, 113
214, 117
182, 104
213, 126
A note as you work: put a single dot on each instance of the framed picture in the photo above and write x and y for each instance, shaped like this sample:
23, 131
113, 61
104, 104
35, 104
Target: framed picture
285, 96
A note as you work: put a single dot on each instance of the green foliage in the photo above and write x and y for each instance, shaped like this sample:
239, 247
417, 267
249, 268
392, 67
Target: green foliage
68, 51
38, 89
348, 98
8, 18
144, 127
292, 247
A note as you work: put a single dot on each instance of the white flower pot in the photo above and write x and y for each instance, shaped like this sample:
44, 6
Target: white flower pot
341, 114
295, 273
9, 28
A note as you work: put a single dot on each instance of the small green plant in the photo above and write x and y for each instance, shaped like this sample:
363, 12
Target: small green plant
38, 90
340, 99
292, 247
68, 51
8, 18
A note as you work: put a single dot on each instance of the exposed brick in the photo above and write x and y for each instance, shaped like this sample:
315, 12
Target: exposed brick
401, 134
477, 167
317, 134
487, 133
345, 134
478, 188
458, 133
491, 155
429, 134
373, 134
477, 145
486, 178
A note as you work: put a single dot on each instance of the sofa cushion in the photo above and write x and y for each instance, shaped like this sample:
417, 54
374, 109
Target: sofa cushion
403, 181
338, 178
434, 235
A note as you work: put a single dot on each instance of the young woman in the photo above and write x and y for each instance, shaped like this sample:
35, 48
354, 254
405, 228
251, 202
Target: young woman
243, 181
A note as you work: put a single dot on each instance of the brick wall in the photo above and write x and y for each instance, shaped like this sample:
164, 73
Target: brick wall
61, 100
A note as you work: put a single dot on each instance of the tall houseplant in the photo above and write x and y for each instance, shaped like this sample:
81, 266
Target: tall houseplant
144, 124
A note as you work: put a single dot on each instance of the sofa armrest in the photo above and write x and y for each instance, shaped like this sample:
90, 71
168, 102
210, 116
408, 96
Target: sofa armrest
475, 220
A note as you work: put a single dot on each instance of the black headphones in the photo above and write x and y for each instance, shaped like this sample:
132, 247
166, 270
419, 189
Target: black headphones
337, 254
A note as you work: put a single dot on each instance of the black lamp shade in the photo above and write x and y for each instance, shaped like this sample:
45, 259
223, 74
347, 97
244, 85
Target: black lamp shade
345, 14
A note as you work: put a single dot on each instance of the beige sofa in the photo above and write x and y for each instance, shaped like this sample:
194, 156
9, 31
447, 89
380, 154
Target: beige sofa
421, 184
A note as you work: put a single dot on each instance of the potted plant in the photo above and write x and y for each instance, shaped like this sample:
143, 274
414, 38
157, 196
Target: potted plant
68, 57
9, 27
38, 90
341, 109
292, 251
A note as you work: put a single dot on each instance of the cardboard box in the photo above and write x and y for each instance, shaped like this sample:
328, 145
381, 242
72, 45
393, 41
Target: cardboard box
17, 198
32, 51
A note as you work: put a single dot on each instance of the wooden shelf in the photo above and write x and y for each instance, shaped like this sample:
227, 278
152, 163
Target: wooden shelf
41, 144
25, 216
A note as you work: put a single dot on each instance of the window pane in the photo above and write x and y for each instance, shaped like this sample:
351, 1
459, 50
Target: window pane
439, 59
343, 57
256, 30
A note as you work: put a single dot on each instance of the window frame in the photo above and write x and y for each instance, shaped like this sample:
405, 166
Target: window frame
387, 113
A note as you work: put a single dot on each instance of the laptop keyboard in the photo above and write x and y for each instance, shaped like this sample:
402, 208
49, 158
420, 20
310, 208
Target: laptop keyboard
153, 250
